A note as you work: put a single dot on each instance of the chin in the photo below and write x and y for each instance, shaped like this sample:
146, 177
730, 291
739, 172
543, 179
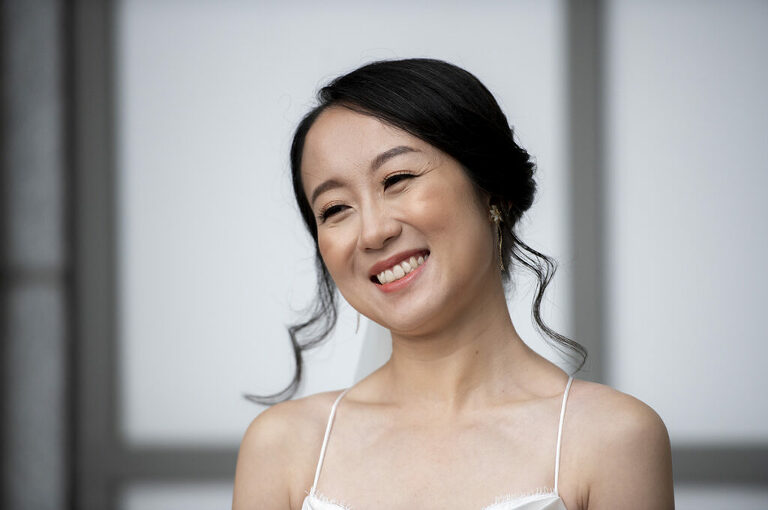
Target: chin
412, 322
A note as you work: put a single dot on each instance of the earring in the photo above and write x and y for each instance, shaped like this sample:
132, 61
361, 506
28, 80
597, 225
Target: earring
495, 216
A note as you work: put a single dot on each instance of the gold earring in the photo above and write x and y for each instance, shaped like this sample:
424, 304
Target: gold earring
495, 216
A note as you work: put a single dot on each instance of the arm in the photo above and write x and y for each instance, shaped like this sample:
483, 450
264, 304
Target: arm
633, 462
261, 477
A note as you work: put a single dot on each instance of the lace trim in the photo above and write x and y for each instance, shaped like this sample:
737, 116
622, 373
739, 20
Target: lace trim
520, 497
330, 501
517, 498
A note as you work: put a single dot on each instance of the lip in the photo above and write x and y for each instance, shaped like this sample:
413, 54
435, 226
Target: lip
380, 266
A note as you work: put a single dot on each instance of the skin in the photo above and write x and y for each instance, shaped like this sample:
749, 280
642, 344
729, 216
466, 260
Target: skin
463, 411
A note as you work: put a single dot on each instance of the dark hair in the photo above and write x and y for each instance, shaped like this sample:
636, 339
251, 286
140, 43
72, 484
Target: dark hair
450, 109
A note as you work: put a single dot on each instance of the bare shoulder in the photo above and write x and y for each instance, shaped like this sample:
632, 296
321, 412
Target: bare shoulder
624, 449
278, 452
613, 414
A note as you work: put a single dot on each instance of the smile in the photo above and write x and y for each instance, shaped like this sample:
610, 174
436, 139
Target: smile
401, 269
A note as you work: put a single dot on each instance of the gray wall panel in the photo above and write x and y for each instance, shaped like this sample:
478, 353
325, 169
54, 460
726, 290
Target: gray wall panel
34, 325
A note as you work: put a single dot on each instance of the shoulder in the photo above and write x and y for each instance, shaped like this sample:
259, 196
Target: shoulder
623, 444
612, 414
285, 424
279, 450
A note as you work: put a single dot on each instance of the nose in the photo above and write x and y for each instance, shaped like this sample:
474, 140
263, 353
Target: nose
377, 226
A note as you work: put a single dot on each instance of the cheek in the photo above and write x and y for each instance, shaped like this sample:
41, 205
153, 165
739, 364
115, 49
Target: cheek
327, 252
450, 208
336, 247
458, 226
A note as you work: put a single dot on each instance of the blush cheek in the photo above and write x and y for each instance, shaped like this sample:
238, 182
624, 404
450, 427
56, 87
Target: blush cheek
330, 254
430, 214
448, 212
435, 206
337, 247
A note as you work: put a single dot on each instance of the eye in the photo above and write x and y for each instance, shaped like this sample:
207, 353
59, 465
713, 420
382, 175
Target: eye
330, 210
394, 179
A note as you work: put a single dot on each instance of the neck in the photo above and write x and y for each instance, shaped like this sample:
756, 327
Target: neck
469, 357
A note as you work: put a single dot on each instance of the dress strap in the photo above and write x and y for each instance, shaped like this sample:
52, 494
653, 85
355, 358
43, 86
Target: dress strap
560, 432
325, 440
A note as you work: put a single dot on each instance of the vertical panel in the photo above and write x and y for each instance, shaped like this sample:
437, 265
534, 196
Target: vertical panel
688, 127
34, 377
93, 223
586, 221
35, 439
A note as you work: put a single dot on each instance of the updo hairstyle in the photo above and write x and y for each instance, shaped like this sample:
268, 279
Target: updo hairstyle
450, 109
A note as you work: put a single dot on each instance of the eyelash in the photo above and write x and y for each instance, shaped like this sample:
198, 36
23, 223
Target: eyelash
387, 180
331, 209
328, 211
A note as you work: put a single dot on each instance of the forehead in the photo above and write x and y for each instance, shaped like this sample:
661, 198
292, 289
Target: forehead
341, 139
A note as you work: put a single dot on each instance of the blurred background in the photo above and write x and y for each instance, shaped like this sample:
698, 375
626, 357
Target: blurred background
152, 254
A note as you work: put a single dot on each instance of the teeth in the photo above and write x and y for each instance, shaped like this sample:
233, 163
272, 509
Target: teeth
399, 270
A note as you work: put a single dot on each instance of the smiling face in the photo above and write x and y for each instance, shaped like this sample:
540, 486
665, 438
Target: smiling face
382, 196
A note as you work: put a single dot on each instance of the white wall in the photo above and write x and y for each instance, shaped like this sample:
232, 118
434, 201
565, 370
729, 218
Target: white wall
213, 256
688, 228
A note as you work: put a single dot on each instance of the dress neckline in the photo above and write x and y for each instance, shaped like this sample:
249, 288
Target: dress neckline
500, 502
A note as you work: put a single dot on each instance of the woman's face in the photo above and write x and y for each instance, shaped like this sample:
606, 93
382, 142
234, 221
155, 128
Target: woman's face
382, 197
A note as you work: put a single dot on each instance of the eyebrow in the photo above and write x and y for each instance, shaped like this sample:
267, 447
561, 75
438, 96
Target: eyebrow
375, 165
389, 154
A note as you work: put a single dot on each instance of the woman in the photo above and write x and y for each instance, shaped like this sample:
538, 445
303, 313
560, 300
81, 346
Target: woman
411, 184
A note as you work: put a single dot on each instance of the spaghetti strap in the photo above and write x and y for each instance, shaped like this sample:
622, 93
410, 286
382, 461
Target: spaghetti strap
325, 441
560, 432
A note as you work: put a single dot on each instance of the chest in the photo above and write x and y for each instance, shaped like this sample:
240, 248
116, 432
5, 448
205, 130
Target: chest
471, 465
